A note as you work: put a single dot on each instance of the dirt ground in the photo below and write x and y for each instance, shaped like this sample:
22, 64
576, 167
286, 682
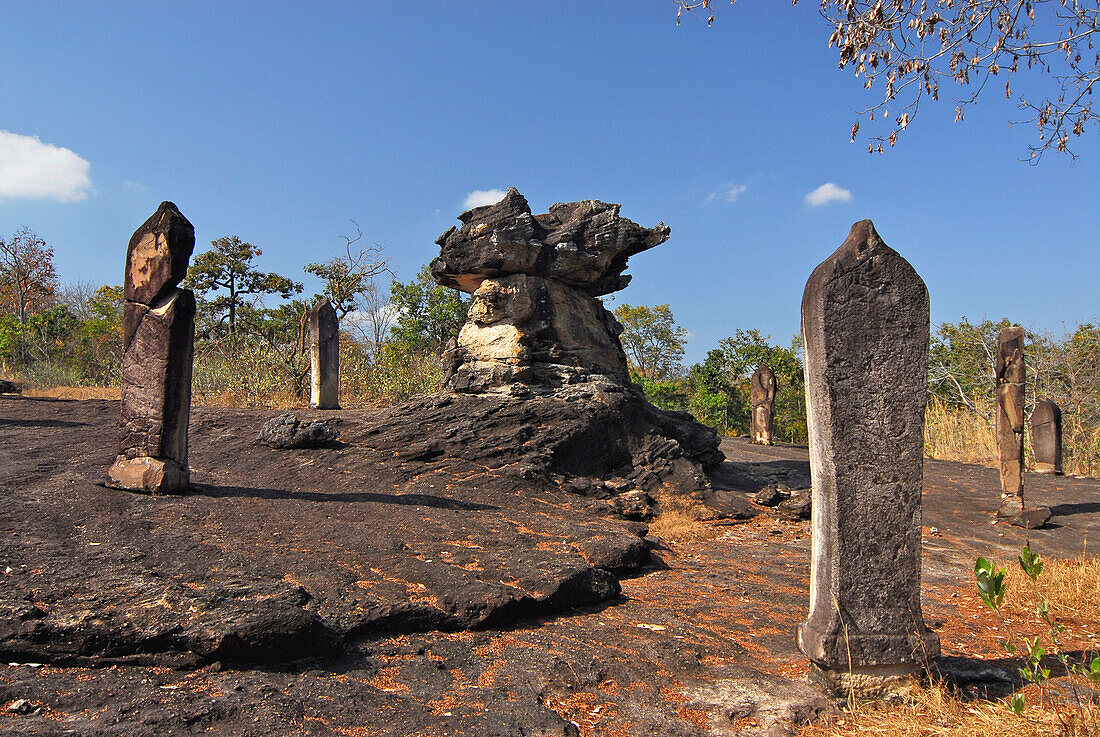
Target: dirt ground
351, 591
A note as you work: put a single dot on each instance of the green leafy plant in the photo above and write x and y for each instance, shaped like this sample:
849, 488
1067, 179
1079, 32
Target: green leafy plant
993, 589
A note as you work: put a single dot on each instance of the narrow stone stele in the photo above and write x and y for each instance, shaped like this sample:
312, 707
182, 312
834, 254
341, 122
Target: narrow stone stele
865, 324
764, 387
1010, 370
1046, 437
158, 352
324, 356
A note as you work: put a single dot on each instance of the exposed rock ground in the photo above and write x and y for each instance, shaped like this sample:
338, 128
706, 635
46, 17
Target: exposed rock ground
381, 588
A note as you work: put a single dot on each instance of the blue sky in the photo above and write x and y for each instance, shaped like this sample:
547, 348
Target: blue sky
280, 122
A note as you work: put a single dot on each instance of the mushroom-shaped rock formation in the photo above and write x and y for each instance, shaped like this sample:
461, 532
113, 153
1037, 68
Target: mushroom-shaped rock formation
537, 385
535, 320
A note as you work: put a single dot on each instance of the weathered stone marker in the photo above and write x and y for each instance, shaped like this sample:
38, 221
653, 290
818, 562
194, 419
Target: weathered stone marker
324, 356
1046, 436
763, 391
159, 345
865, 325
1010, 370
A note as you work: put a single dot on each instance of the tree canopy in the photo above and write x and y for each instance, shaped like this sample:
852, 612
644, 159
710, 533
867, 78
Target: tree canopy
905, 50
428, 314
27, 276
653, 342
227, 268
349, 279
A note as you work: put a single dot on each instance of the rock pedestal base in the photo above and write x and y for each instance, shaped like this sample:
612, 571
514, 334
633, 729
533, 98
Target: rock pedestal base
874, 682
148, 475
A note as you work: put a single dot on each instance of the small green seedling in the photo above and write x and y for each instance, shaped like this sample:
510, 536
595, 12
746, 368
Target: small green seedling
991, 583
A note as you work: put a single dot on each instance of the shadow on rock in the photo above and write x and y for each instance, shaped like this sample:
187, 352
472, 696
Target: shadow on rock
409, 500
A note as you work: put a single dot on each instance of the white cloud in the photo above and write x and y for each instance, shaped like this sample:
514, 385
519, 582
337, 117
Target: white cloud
36, 170
826, 194
480, 197
729, 193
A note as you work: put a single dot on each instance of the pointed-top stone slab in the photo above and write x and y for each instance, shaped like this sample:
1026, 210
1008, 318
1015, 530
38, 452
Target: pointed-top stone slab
865, 326
156, 259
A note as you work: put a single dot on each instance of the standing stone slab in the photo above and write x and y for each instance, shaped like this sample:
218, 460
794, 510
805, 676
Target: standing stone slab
763, 391
1010, 370
1046, 436
865, 324
158, 344
324, 356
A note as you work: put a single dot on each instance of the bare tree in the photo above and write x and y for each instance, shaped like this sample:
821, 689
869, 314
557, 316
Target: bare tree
349, 277
375, 317
78, 297
907, 48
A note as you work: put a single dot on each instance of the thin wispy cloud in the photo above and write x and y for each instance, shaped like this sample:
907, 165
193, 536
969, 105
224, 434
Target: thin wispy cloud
31, 169
827, 194
480, 197
729, 193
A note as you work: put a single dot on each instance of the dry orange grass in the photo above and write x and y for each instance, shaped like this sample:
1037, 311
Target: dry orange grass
936, 711
954, 435
73, 392
682, 519
1071, 586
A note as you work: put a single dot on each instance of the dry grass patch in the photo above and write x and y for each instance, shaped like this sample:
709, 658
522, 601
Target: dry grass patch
1071, 586
951, 434
936, 711
73, 392
682, 519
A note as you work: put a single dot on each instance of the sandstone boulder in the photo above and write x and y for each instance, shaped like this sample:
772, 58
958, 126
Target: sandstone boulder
156, 259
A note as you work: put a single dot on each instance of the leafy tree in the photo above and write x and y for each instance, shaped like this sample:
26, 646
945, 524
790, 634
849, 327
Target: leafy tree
27, 276
744, 353
349, 279
227, 267
909, 48
653, 342
747, 350
714, 400
428, 314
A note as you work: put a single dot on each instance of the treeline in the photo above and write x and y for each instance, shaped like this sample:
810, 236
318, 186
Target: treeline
246, 352
716, 391
392, 336
961, 381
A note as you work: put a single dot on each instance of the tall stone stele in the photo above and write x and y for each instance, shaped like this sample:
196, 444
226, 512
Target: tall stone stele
1046, 436
324, 356
159, 346
1010, 370
763, 388
865, 325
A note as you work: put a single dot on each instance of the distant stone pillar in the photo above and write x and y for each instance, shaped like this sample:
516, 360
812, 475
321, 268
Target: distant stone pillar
865, 327
324, 356
764, 387
1046, 436
1011, 374
159, 346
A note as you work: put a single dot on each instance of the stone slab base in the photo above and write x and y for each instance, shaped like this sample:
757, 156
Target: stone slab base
148, 475
1047, 468
875, 681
